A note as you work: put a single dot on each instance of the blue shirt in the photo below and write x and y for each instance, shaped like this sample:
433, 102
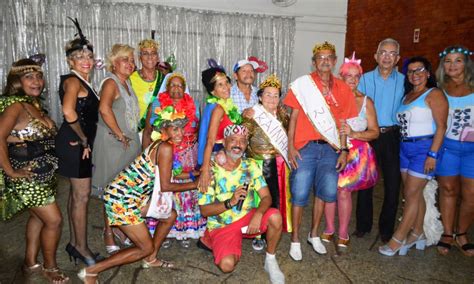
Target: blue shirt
385, 93
239, 98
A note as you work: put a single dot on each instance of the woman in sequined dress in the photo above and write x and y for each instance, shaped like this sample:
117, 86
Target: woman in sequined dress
28, 162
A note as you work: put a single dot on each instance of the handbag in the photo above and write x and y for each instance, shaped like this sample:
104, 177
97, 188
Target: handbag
161, 203
467, 134
361, 169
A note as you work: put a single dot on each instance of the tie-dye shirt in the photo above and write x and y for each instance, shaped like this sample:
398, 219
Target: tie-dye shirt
223, 187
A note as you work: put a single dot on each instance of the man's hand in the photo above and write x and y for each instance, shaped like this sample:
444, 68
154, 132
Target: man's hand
292, 155
254, 225
341, 161
239, 194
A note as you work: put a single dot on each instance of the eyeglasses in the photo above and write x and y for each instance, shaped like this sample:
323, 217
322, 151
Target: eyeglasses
325, 57
148, 54
81, 57
384, 53
351, 76
173, 85
417, 71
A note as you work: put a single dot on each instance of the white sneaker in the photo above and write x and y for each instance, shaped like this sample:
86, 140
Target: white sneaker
295, 251
273, 269
318, 246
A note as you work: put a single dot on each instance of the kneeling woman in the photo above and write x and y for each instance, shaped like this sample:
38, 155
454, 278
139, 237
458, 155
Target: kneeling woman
126, 198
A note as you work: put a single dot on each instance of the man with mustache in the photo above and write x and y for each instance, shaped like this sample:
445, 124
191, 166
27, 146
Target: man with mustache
243, 92
236, 180
316, 150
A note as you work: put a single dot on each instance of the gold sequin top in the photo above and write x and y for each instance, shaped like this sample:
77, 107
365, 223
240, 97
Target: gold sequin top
259, 147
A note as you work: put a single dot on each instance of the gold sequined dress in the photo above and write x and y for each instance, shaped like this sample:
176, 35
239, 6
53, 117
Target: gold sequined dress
36, 150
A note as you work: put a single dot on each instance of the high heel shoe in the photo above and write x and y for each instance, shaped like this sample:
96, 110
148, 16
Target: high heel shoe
83, 274
419, 243
388, 251
122, 238
74, 254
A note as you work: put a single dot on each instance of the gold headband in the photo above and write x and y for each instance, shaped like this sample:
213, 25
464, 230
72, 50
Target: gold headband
149, 43
324, 46
271, 81
25, 69
219, 75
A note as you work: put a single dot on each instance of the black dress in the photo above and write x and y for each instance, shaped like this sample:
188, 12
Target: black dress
71, 163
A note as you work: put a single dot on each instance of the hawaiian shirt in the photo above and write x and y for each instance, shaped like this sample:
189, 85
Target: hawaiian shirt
223, 187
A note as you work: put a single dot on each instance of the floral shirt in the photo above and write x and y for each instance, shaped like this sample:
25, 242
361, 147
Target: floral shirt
223, 187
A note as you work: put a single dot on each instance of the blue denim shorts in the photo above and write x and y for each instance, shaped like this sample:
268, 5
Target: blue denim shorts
413, 156
316, 171
457, 158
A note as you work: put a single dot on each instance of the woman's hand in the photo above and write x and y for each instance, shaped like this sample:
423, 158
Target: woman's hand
345, 129
248, 113
204, 180
430, 165
125, 141
25, 172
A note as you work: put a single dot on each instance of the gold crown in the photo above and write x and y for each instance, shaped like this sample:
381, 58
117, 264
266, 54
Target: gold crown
271, 81
324, 46
149, 43
176, 75
25, 69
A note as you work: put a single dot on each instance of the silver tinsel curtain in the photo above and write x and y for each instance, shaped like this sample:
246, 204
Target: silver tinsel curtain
41, 26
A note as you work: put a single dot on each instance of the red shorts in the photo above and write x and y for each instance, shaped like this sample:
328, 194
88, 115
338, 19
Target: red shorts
228, 240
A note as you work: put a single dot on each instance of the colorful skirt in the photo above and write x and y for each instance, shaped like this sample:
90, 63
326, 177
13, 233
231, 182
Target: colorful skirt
189, 223
361, 169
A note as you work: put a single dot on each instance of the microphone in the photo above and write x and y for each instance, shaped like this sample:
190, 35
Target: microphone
241, 201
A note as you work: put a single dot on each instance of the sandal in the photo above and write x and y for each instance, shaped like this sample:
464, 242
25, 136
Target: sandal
110, 249
465, 248
162, 264
35, 268
55, 275
443, 248
83, 275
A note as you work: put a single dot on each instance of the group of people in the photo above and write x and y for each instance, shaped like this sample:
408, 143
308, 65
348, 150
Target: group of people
245, 166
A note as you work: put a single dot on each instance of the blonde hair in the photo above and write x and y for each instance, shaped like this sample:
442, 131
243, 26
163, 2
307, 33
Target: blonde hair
118, 50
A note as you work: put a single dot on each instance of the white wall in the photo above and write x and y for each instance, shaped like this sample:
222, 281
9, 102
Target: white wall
316, 21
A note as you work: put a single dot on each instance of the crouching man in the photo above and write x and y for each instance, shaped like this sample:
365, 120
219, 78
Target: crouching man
237, 180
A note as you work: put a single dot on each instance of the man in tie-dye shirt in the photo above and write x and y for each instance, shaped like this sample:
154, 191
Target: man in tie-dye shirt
227, 223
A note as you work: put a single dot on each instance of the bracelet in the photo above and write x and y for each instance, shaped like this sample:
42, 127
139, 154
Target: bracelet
432, 154
345, 150
191, 176
72, 122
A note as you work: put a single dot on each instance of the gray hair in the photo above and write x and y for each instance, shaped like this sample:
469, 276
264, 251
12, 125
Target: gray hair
389, 41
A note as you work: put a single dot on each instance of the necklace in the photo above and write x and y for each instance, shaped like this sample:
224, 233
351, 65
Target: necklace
151, 83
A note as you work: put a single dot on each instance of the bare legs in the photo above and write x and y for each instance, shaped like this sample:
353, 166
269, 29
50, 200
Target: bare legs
77, 213
145, 247
43, 231
344, 210
414, 210
318, 210
451, 188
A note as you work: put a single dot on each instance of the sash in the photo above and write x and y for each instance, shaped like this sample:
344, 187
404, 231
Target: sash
316, 109
273, 129
159, 80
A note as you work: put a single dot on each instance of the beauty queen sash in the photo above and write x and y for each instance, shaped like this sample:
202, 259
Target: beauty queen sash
316, 109
273, 129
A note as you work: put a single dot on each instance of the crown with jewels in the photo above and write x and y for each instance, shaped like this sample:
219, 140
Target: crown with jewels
324, 46
271, 81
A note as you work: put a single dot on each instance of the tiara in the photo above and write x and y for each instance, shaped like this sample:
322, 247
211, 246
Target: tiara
462, 50
271, 81
25, 69
324, 46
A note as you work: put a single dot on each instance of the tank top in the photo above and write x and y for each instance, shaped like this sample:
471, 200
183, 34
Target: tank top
359, 123
461, 115
415, 119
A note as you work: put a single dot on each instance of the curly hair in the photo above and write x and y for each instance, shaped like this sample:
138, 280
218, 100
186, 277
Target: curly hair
117, 51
